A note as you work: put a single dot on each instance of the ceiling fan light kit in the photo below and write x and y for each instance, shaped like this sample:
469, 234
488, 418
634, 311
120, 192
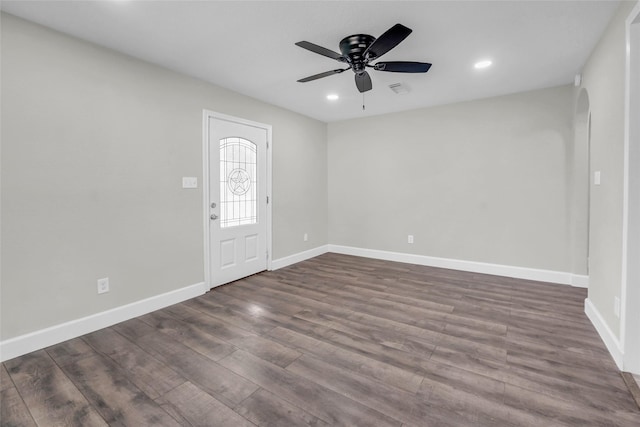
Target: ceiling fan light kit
358, 51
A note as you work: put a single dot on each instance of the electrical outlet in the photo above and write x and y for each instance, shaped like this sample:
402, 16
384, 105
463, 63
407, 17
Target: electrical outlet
103, 285
410, 238
305, 237
616, 306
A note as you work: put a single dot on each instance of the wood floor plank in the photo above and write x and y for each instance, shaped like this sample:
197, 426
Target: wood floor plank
265, 409
398, 377
556, 340
598, 380
220, 382
256, 325
631, 382
145, 371
400, 329
554, 386
478, 409
183, 332
270, 282
391, 294
278, 301
70, 351
572, 355
240, 338
5, 379
371, 349
194, 407
403, 406
117, 399
13, 410
383, 336
494, 351
321, 402
51, 397
268, 297
133, 329
555, 411
461, 379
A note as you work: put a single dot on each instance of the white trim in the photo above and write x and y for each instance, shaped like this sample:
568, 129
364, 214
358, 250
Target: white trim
43, 338
579, 281
454, 264
269, 194
205, 197
206, 115
299, 257
630, 205
608, 337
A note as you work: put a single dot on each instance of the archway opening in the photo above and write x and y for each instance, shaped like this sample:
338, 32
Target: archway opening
580, 172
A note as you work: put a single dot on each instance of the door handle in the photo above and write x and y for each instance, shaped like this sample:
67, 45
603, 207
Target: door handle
214, 216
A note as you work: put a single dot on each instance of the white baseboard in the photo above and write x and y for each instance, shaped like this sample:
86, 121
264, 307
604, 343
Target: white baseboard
299, 257
609, 338
471, 266
43, 338
579, 281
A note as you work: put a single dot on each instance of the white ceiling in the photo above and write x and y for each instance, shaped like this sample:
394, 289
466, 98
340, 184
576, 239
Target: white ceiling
248, 46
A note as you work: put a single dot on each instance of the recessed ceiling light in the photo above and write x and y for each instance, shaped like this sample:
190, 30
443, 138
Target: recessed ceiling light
333, 97
482, 64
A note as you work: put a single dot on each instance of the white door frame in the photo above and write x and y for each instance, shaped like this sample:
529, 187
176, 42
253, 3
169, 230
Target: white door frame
630, 294
206, 115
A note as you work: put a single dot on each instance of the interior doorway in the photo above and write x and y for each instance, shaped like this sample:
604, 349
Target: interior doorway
581, 186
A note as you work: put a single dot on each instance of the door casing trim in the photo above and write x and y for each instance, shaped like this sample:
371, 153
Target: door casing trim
630, 289
206, 115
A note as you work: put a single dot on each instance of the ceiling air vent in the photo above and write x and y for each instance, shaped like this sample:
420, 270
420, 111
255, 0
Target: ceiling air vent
399, 88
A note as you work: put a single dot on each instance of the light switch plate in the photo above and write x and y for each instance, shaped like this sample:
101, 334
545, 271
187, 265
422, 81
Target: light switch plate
189, 182
596, 178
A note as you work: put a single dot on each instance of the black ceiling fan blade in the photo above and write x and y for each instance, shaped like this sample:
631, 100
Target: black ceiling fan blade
321, 50
363, 82
387, 41
403, 66
321, 75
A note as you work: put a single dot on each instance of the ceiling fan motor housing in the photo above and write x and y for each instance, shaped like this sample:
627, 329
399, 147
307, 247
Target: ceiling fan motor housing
353, 48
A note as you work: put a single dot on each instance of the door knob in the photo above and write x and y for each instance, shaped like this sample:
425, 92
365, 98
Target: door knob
214, 216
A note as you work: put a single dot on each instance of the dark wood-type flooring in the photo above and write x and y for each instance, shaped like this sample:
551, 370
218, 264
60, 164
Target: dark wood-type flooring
336, 340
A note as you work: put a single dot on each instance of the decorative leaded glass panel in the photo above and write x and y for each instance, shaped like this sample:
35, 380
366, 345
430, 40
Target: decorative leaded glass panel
238, 190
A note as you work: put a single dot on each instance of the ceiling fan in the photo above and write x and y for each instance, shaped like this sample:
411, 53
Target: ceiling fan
359, 50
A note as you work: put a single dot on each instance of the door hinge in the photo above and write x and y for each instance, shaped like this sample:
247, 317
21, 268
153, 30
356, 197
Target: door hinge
267, 199
267, 144
267, 255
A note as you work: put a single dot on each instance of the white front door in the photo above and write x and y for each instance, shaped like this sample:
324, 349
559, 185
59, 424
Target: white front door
237, 198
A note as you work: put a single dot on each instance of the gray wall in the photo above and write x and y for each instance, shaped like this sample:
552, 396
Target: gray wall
604, 80
477, 181
94, 145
